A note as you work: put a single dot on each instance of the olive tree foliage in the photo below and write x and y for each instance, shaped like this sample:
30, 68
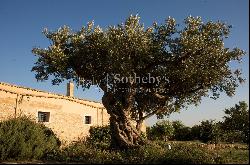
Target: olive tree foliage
187, 63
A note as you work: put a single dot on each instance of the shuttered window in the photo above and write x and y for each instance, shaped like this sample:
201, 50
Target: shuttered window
87, 119
43, 116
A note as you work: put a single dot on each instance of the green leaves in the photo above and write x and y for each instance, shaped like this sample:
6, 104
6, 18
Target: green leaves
23, 139
237, 117
162, 130
192, 61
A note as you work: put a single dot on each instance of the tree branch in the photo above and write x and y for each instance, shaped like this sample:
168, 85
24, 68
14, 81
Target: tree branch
197, 89
152, 113
157, 95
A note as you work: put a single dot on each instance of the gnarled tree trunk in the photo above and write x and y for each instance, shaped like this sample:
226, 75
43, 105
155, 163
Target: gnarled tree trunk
123, 133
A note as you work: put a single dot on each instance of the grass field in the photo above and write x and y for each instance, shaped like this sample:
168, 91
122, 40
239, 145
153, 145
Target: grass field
189, 152
224, 153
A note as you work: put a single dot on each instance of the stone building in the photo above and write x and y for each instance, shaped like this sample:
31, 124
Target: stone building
69, 117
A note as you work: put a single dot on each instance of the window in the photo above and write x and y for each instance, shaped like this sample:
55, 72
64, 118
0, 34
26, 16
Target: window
87, 119
43, 116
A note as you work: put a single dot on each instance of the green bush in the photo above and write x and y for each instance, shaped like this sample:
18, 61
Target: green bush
86, 153
99, 136
23, 139
151, 153
90, 154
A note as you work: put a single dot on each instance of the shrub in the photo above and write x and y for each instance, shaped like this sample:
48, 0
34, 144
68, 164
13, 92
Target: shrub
21, 138
155, 152
99, 136
90, 154
87, 153
151, 153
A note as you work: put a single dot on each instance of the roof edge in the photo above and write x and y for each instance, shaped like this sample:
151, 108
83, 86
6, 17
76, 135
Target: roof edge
37, 90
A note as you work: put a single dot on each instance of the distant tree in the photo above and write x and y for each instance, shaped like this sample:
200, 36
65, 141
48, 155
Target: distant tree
232, 136
162, 130
196, 132
210, 131
237, 119
176, 67
177, 124
184, 134
181, 132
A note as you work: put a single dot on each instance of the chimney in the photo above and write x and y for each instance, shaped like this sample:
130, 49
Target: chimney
70, 89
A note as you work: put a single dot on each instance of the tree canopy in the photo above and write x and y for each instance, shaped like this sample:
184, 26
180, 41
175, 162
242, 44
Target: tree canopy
143, 71
162, 130
237, 119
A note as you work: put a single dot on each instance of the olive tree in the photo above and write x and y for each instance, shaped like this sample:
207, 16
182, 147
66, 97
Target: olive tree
142, 71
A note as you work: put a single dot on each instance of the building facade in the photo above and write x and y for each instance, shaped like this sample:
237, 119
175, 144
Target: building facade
70, 118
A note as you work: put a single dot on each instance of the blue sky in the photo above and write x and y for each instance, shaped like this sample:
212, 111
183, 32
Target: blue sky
21, 24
